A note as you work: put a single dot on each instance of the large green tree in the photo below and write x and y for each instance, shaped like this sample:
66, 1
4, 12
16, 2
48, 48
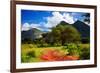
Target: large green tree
64, 34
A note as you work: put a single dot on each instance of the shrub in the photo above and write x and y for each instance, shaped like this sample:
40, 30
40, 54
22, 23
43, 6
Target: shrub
85, 53
31, 54
25, 58
80, 50
73, 49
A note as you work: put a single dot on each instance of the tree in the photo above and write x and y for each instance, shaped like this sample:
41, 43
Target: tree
65, 34
69, 35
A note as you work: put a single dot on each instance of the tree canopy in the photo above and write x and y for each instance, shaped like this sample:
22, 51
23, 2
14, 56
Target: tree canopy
64, 34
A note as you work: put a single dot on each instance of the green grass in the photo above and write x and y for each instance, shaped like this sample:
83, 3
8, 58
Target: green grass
32, 53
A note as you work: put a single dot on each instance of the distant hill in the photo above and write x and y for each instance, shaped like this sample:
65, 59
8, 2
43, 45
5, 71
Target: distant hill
63, 23
31, 34
83, 28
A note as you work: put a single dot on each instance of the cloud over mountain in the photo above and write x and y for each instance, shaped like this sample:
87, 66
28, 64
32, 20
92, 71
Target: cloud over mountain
25, 26
51, 21
57, 17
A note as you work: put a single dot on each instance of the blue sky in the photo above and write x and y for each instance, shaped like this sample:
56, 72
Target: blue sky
44, 20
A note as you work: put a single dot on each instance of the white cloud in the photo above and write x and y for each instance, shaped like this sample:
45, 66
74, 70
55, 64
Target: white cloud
40, 26
58, 17
87, 23
25, 27
34, 25
52, 21
68, 18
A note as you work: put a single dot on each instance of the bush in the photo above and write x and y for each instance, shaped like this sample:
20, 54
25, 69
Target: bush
25, 58
81, 50
73, 49
31, 54
85, 53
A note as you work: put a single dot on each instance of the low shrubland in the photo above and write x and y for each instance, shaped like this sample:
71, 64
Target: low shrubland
34, 53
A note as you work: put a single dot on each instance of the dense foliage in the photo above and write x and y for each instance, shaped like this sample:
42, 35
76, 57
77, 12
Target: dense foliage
64, 34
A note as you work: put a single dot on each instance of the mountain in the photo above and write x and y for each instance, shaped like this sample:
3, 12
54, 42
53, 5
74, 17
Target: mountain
63, 23
83, 28
31, 34
35, 33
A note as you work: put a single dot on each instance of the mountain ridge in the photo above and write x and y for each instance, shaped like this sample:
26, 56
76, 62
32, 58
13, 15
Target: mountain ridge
31, 34
35, 33
82, 28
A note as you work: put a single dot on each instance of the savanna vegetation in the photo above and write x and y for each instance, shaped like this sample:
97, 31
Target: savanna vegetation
63, 43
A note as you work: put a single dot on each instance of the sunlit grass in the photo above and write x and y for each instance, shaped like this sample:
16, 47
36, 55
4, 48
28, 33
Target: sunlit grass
32, 53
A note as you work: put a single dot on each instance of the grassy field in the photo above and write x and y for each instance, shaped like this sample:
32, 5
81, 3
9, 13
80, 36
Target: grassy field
33, 53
